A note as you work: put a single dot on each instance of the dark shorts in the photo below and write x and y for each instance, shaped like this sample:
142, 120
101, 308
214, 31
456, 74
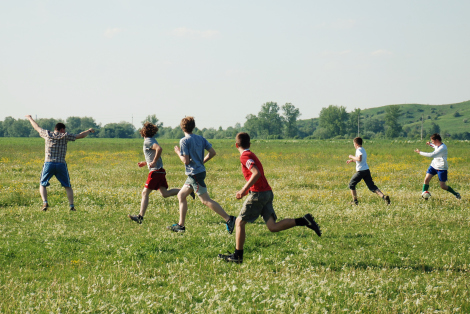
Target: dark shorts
363, 175
258, 204
441, 174
57, 169
156, 179
196, 182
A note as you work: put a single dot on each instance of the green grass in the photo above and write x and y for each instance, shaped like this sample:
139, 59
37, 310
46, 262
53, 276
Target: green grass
410, 257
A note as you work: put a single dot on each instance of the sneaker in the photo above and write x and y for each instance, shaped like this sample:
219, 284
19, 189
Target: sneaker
387, 199
45, 206
230, 224
138, 219
457, 196
312, 224
193, 195
231, 258
72, 209
176, 228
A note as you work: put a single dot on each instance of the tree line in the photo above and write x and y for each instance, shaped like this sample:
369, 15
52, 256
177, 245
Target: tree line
271, 122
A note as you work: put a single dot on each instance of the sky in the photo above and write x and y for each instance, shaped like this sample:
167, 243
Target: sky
222, 60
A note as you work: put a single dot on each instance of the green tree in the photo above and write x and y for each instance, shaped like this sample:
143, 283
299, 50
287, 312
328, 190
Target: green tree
270, 119
392, 127
434, 128
154, 120
333, 120
354, 120
290, 115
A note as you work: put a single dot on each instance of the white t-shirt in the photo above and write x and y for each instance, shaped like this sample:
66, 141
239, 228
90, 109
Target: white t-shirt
361, 165
440, 157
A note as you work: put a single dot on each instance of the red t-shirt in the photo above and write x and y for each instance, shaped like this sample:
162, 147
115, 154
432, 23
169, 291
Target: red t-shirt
248, 160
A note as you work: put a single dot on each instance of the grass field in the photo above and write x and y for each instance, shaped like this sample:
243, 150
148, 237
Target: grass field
410, 257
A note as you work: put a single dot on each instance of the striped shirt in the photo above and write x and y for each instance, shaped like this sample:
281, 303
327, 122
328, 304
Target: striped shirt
56, 145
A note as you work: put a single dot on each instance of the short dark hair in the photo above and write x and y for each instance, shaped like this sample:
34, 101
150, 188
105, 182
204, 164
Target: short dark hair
149, 130
188, 124
59, 126
243, 140
436, 136
358, 141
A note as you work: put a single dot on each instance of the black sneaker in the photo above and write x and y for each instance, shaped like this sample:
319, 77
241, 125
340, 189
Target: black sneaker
176, 228
387, 199
231, 258
457, 196
72, 209
45, 207
230, 224
193, 195
138, 219
312, 224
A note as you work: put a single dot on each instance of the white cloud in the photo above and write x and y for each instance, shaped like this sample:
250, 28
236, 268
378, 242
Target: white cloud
111, 32
381, 52
191, 33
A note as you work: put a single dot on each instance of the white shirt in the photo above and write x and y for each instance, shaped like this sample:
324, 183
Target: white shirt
361, 165
440, 157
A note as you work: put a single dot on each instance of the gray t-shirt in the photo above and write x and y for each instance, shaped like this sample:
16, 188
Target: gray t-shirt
150, 153
193, 145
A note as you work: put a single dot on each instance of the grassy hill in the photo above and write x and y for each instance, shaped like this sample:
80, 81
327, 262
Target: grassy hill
452, 118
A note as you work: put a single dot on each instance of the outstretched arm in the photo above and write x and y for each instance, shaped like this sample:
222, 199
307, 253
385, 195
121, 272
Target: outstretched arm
85, 133
33, 123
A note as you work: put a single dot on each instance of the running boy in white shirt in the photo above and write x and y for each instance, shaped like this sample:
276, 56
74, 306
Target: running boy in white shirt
363, 173
438, 165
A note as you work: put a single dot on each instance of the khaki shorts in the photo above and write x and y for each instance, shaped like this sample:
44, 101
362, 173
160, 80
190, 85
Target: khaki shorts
258, 204
196, 182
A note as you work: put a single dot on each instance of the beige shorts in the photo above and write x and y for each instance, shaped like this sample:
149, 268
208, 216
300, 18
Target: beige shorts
258, 204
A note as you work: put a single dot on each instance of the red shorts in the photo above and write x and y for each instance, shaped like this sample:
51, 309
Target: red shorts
156, 179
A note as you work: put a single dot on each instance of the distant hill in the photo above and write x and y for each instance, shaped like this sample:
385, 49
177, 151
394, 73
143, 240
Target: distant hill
452, 118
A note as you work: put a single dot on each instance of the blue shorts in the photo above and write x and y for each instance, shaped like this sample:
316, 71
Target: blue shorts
441, 174
57, 169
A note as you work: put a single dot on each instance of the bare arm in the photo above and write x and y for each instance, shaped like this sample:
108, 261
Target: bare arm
184, 159
209, 155
85, 133
158, 150
354, 158
255, 175
33, 123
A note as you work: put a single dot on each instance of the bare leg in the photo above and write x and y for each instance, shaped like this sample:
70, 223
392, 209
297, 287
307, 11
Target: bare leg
43, 192
69, 192
354, 194
281, 225
240, 233
428, 178
167, 193
183, 204
206, 200
379, 193
145, 201
443, 185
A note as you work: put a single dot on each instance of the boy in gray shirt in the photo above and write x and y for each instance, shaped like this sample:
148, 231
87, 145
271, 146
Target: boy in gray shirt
191, 153
156, 179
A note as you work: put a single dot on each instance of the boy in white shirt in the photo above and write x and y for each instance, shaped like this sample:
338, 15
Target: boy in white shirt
438, 165
363, 173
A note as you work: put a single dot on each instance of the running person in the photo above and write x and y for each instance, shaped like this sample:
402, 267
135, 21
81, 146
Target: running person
438, 165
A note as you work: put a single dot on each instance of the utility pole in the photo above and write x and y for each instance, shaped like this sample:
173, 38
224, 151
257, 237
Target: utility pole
422, 118
358, 117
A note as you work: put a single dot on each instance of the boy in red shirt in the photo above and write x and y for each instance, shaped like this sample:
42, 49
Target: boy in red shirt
259, 201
